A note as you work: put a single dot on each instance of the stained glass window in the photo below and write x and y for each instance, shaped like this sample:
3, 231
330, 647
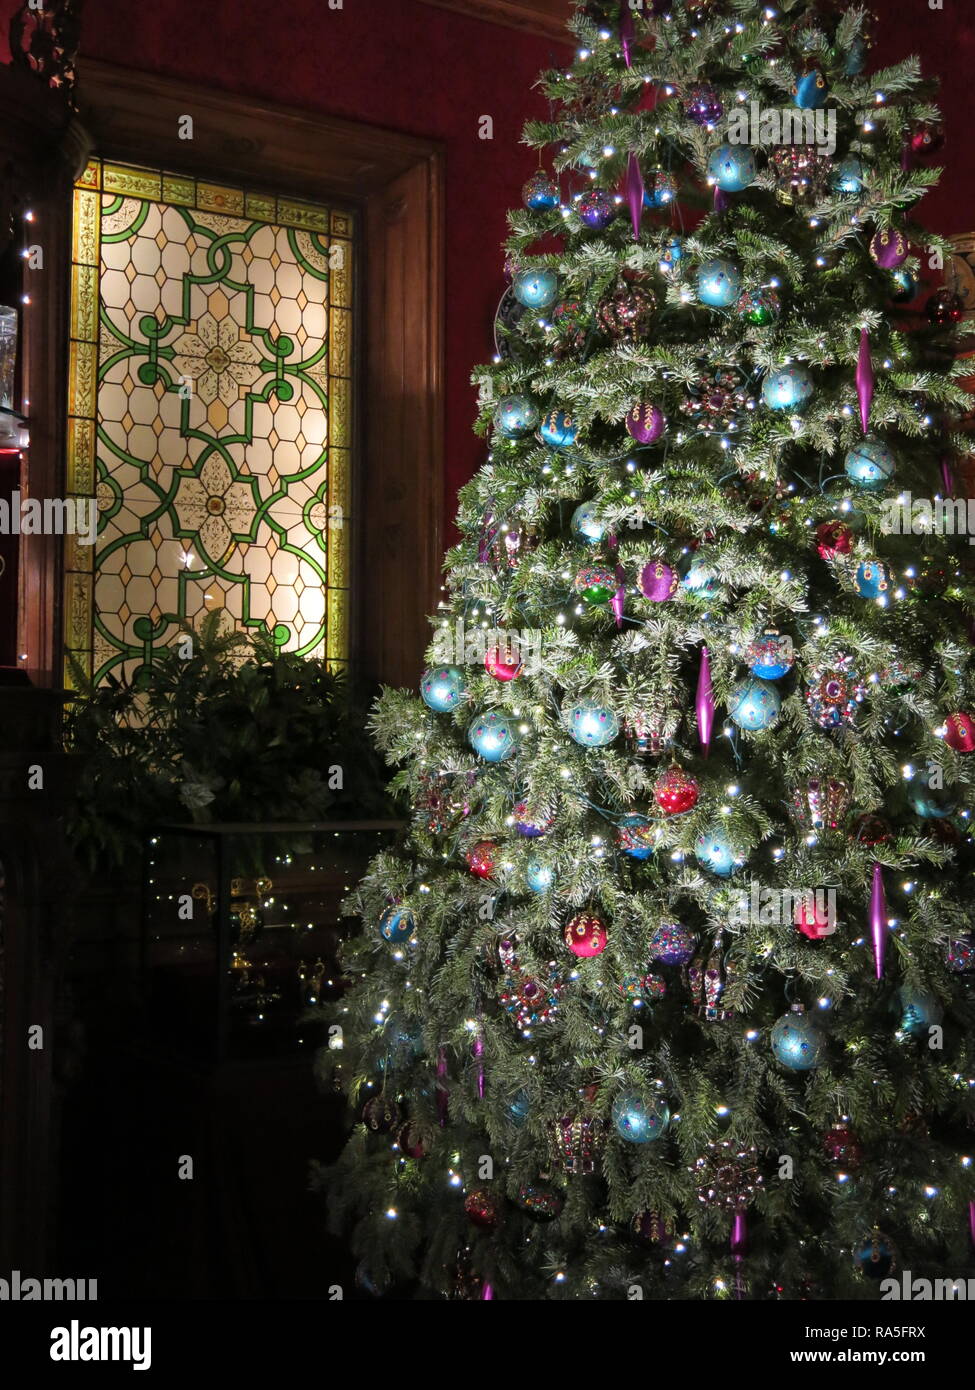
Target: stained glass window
210, 404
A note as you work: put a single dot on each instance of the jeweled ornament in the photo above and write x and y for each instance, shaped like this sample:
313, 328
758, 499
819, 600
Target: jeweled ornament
727, 1175
443, 688
702, 104
875, 1257
381, 1115
960, 733
569, 329
676, 791
585, 526
800, 173
931, 803
870, 829
717, 399
960, 954
714, 851
541, 1202
591, 724
870, 464
558, 430
658, 581
833, 538
645, 423
814, 915
889, 248
872, 579
834, 693
760, 307
535, 289
540, 193
718, 283
842, 1147
771, 656
577, 1142
906, 286
660, 189
787, 388
626, 314
672, 943
821, 803
596, 209
539, 876
515, 417
921, 1010
531, 826
482, 858
671, 255
585, 935
636, 836
639, 1121
850, 175
810, 91
493, 736
483, 1208
504, 663
596, 584
928, 138
396, 925
796, 1041
651, 1229
945, 307
732, 168
754, 705
643, 989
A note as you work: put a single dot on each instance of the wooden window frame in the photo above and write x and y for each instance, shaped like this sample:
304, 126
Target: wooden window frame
396, 183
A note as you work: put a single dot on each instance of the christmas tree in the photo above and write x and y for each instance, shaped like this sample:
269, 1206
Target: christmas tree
667, 990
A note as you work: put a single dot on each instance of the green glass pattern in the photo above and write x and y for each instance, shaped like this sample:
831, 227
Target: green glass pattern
209, 403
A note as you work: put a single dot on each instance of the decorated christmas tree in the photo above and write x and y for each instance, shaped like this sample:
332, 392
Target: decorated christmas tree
667, 989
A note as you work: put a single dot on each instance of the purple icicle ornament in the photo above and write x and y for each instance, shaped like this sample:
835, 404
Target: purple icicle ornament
705, 703
878, 920
634, 193
865, 380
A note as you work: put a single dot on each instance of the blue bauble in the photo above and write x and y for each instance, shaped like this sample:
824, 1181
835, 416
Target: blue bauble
515, 416
771, 656
856, 59
660, 190
871, 579
519, 1107
906, 287
714, 852
540, 193
850, 175
636, 835
558, 430
875, 1257
493, 736
931, 803
640, 1123
404, 1043
732, 167
754, 704
536, 289
673, 251
787, 388
396, 925
591, 724
539, 876
700, 580
584, 525
921, 1010
443, 688
811, 91
796, 1041
596, 209
870, 464
718, 283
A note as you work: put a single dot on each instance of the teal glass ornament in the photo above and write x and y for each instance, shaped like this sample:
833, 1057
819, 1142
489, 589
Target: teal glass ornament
535, 289
591, 724
396, 925
906, 286
672, 254
584, 525
872, 579
850, 175
493, 736
443, 688
787, 388
870, 464
732, 168
700, 580
718, 283
921, 1010
404, 1043
540, 193
796, 1041
539, 876
637, 1121
754, 704
660, 190
636, 836
558, 430
515, 416
875, 1257
811, 91
519, 1107
856, 59
931, 803
715, 852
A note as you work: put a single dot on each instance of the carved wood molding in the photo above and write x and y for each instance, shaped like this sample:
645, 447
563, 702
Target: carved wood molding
545, 17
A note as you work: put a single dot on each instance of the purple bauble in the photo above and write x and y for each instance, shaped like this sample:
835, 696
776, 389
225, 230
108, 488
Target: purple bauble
597, 208
672, 943
528, 827
889, 248
658, 581
703, 105
645, 423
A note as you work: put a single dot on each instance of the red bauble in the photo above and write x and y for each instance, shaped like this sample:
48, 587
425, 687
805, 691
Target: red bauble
871, 830
381, 1115
842, 1146
503, 663
482, 858
814, 918
960, 733
482, 1208
833, 538
928, 138
410, 1140
675, 791
586, 935
945, 307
